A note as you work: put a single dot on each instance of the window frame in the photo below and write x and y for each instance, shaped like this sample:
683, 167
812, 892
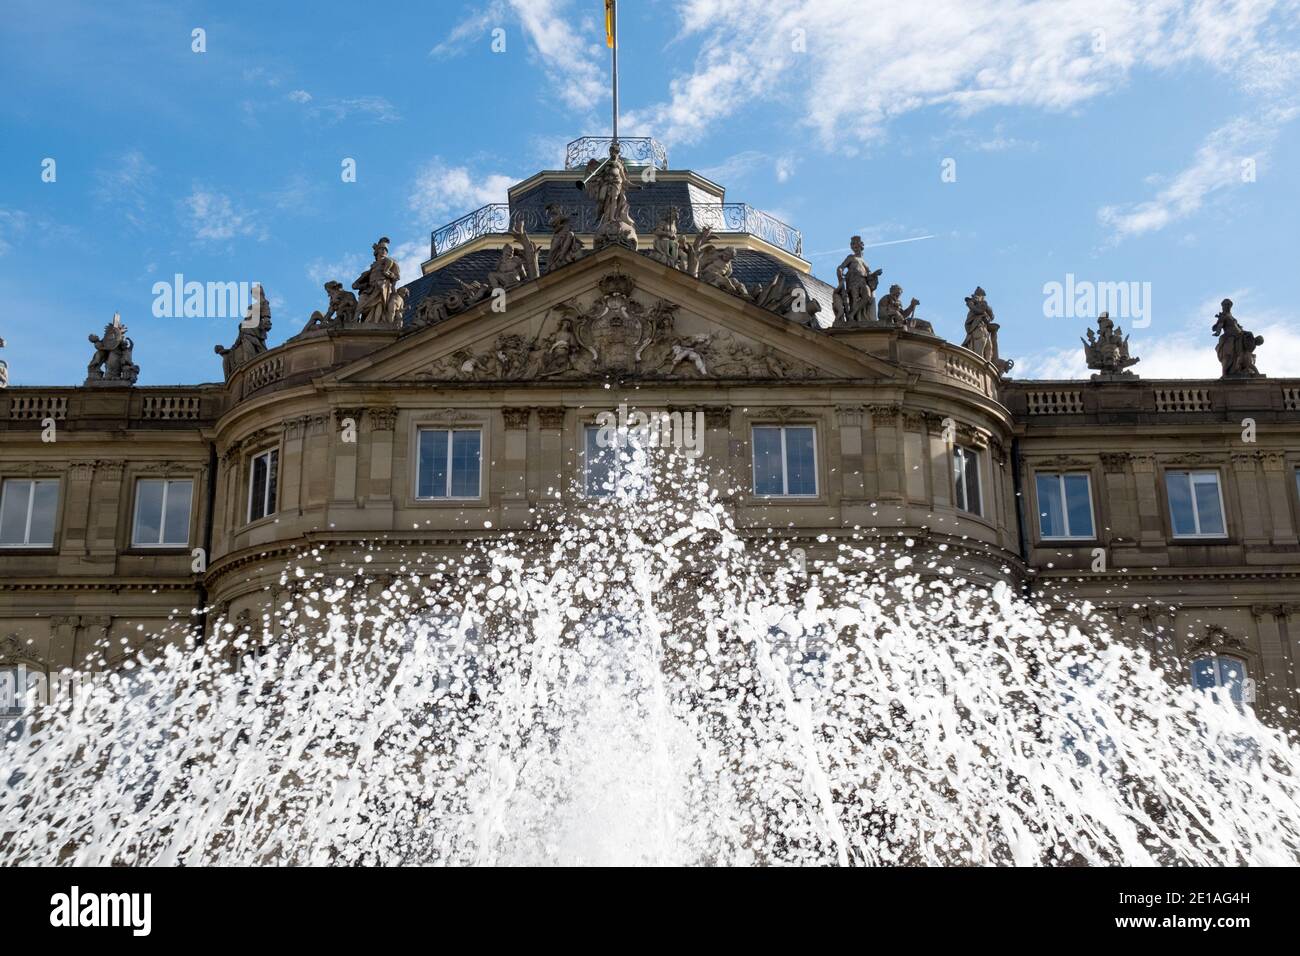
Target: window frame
252, 467
1060, 477
782, 427
962, 452
162, 519
1191, 474
27, 543
451, 430
1246, 688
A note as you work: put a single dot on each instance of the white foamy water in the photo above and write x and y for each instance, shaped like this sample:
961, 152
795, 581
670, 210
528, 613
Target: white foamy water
638, 683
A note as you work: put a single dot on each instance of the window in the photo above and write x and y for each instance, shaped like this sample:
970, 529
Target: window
1195, 504
162, 513
1222, 676
1064, 506
615, 465
262, 482
27, 511
785, 460
449, 463
966, 479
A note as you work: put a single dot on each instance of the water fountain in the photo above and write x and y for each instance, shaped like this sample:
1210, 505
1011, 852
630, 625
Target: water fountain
639, 681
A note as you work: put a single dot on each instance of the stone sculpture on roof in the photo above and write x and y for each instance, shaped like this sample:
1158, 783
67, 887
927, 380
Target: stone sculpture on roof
1236, 346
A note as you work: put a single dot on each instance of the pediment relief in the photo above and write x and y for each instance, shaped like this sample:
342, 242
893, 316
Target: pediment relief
619, 332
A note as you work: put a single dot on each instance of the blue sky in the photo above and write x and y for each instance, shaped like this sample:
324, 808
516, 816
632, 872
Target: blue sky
1100, 138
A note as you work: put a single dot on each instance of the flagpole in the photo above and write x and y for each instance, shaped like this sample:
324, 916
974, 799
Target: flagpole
614, 8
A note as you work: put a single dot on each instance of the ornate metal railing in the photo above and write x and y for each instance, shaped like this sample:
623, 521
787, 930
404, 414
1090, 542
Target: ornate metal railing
495, 219
636, 151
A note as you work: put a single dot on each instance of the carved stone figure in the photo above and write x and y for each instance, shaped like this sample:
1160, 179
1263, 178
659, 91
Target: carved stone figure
715, 269
509, 271
557, 354
667, 247
1236, 347
111, 364
607, 184
342, 310
855, 292
1107, 350
4, 369
253, 330
566, 247
695, 250
528, 251
789, 299
689, 350
397, 306
982, 331
375, 287
891, 310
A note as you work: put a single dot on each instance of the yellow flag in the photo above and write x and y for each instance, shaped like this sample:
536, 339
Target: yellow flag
609, 23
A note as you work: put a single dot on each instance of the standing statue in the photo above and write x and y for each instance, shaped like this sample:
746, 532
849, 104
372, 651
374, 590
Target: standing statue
112, 363
253, 330
1236, 348
4, 369
509, 271
1107, 351
667, 247
375, 287
891, 308
855, 293
566, 247
982, 331
607, 184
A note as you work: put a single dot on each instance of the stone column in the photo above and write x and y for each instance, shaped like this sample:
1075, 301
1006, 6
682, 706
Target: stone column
63, 642
551, 474
512, 467
380, 492
1249, 499
848, 420
1281, 485
76, 508
1115, 503
889, 455
1273, 681
107, 505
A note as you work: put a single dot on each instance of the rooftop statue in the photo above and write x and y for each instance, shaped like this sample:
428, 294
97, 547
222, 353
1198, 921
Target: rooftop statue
787, 298
715, 269
891, 308
4, 369
253, 330
607, 184
1236, 348
341, 312
982, 331
112, 363
668, 247
855, 292
375, 287
566, 247
1107, 350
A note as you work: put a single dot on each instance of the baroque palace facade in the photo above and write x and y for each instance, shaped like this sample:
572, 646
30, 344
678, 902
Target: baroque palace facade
422, 416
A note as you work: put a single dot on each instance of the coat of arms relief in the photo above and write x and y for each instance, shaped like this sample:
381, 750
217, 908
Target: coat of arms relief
616, 336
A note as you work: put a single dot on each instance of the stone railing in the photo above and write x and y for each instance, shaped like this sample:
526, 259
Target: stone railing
1183, 400
171, 408
1291, 399
963, 371
1054, 402
730, 217
264, 373
637, 151
25, 408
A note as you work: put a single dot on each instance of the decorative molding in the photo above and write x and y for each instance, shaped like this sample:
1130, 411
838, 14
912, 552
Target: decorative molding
81, 470
1115, 462
1060, 462
1143, 464
550, 416
383, 418
885, 416
516, 417
1273, 461
717, 416
1218, 639
913, 420
849, 416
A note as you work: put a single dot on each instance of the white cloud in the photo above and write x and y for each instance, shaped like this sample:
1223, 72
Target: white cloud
125, 183
1220, 163
12, 224
856, 71
571, 55
375, 108
443, 191
300, 96
344, 269
215, 218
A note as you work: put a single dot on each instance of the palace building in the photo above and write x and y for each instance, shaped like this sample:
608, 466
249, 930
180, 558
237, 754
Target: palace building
422, 413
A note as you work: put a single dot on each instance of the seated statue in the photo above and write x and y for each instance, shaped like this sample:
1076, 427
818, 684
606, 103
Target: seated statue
667, 247
891, 310
565, 246
342, 310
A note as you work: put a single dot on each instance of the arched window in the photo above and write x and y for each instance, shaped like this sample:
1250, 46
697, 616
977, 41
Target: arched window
1223, 677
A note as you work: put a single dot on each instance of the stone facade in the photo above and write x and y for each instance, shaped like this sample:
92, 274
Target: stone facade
893, 408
